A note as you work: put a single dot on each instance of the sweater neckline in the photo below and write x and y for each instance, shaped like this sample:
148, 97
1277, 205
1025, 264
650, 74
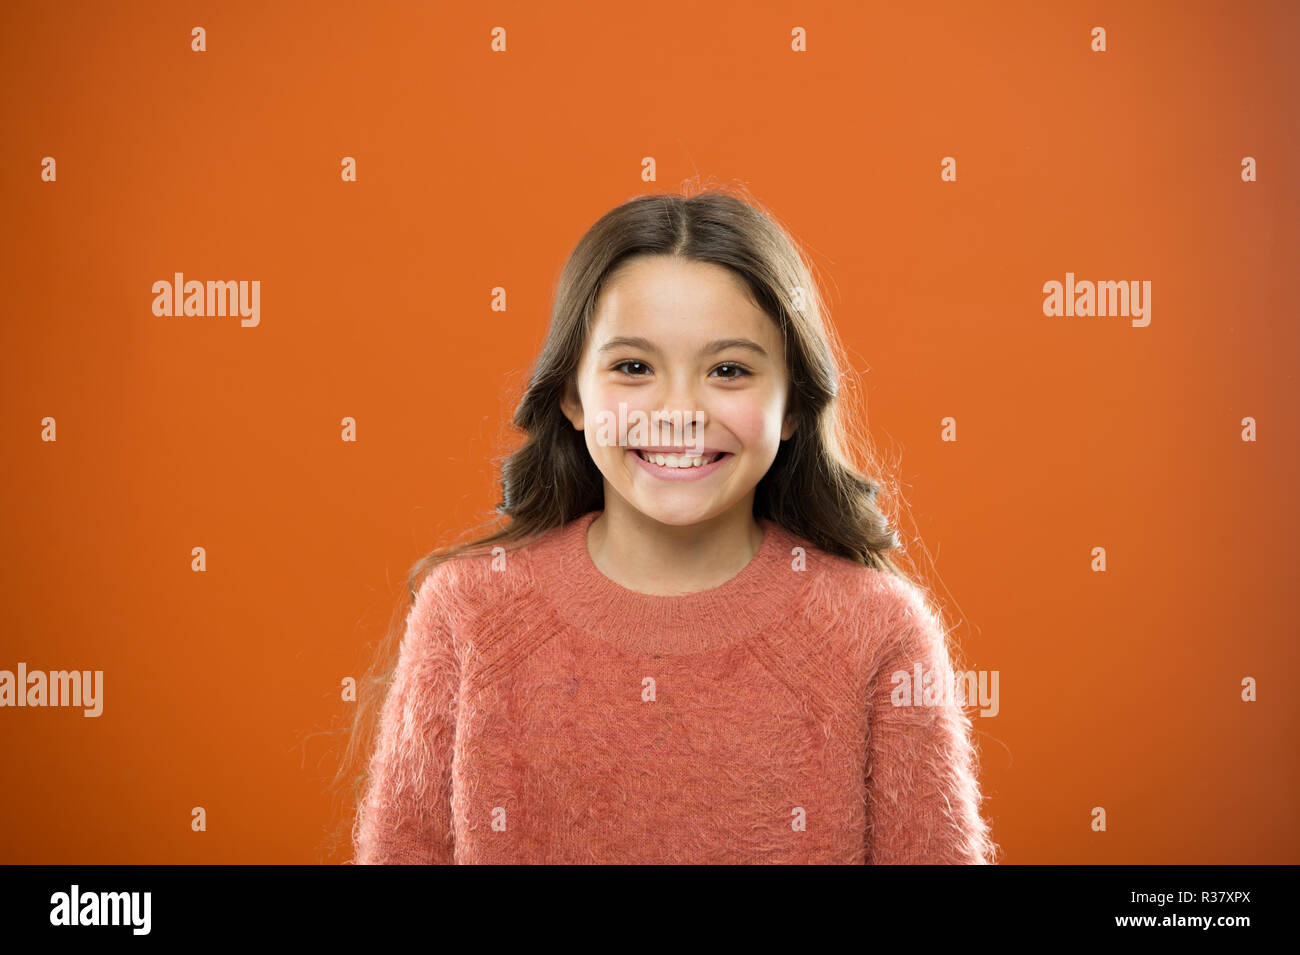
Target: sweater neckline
661, 623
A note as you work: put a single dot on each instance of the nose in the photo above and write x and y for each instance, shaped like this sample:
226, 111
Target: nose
683, 414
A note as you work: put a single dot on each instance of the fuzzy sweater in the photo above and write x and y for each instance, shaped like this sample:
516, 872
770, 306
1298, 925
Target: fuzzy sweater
542, 713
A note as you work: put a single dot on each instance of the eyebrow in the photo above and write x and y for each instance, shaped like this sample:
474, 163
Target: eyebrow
711, 348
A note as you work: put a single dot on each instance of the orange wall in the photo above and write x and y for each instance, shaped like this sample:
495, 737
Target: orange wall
479, 169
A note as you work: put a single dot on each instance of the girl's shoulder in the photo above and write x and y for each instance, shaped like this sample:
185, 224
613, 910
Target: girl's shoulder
847, 584
870, 610
483, 579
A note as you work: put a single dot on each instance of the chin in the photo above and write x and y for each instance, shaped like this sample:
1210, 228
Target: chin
678, 515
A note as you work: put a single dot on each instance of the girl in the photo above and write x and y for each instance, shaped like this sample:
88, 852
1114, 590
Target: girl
693, 650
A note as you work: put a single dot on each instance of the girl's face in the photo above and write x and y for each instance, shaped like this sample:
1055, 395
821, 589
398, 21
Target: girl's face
678, 335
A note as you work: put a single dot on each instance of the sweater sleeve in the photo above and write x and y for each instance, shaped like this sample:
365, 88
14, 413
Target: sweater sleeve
405, 817
923, 798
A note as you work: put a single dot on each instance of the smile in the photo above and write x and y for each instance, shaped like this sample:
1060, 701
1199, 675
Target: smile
680, 467
678, 460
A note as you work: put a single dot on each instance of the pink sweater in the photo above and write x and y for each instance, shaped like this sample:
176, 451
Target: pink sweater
542, 713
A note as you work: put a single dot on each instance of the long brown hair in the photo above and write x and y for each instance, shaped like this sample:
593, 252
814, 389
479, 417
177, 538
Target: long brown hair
817, 486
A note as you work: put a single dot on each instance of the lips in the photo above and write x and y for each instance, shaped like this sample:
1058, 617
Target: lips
694, 472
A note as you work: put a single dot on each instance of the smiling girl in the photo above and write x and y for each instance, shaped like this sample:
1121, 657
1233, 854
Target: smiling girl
688, 651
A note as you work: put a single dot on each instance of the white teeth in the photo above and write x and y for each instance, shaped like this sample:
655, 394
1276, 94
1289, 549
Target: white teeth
672, 460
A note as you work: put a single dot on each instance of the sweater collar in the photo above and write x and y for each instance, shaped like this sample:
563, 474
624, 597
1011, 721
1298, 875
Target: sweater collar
594, 604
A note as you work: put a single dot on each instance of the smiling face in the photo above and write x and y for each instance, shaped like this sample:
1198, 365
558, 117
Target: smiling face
678, 335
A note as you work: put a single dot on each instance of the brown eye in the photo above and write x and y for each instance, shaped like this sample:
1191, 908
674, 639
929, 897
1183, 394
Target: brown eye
632, 361
741, 371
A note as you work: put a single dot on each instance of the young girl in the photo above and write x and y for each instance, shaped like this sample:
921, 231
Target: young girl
691, 651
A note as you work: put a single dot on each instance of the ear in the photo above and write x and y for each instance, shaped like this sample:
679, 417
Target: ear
788, 428
791, 420
571, 405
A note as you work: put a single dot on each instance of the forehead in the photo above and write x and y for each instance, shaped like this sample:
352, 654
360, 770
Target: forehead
674, 301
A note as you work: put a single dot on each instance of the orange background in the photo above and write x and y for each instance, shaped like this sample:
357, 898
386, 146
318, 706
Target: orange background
479, 169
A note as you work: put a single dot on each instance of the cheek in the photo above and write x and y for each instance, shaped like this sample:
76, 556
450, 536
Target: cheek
598, 397
600, 410
750, 421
